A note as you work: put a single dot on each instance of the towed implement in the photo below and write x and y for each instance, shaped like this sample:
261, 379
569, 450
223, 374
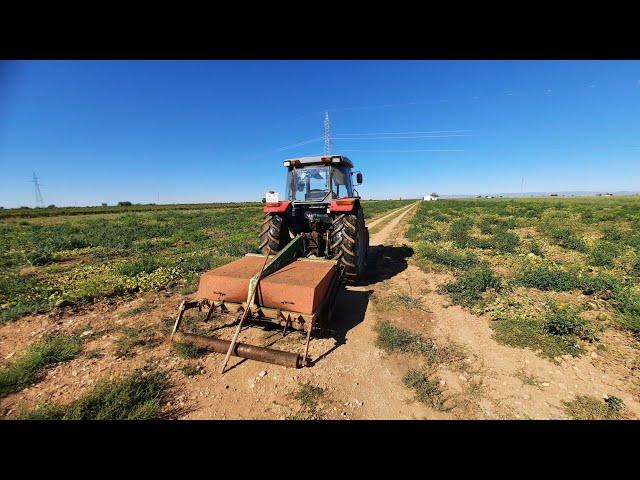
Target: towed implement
311, 243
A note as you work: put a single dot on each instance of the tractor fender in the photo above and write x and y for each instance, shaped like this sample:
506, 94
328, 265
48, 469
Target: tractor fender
279, 207
344, 205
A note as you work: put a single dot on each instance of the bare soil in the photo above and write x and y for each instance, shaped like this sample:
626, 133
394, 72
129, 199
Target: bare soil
481, 379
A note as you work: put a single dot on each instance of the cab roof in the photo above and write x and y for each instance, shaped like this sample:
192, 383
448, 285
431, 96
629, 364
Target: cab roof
318, 160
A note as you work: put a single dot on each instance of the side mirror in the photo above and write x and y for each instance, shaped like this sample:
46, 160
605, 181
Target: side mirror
359, 178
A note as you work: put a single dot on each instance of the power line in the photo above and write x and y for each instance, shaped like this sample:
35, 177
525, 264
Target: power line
404, 151
402, 133
423, 137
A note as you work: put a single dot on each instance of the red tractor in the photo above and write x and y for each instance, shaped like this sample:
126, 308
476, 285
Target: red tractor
322, 206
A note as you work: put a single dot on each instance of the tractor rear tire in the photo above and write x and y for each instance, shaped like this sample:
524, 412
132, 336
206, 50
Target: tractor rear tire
349, 244
274, 234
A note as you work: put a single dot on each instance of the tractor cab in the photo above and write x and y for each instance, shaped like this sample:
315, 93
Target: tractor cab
320, 179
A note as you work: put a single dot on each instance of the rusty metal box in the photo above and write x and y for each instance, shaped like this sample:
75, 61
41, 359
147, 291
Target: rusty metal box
298, 287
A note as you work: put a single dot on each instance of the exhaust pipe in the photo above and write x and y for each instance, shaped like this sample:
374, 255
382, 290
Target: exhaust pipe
243, 350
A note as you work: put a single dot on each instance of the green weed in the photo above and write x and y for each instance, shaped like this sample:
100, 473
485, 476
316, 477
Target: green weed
468, 288
603, 254
566, 238
530, 333
449, 258
136, 396
189, 350
587, 407
565, 320
190, 370
427, 389
134, 337
396, 339
26, 369
548, 277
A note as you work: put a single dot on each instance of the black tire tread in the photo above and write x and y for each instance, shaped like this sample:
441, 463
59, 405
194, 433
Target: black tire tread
344, 243
274, 234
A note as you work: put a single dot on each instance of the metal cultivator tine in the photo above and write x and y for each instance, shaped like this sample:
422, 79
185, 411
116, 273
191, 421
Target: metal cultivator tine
184, 306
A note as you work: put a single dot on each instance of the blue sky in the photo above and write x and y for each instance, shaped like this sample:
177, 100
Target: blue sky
204, 131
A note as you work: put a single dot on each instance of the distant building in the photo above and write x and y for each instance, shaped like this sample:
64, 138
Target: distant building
432, 196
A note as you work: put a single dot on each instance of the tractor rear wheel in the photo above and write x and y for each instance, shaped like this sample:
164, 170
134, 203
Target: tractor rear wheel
274, 234
349, 244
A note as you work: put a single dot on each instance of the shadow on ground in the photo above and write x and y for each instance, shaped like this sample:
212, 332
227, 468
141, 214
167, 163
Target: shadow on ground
348, 311
385, 262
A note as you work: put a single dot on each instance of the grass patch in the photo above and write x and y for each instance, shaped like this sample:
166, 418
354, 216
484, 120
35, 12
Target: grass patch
309, 397
501, 241
448, 258
137, 310
22, 295
405, 301
26, 369
468, 289
144, 265
133, 337
566, 321
587, 407
548, 277
603, 254
427, 389
189, 350
556, 333
395, 339
536, 249
39, 257
626, 301
136, 396
504, 241
531, 333
190, 370
565, 237
528, 378
459, 232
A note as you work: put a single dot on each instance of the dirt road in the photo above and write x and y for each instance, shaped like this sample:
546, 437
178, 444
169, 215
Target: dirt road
357, 381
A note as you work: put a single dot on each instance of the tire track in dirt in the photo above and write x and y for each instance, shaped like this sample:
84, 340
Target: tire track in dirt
376, 221
360, 374
360, 377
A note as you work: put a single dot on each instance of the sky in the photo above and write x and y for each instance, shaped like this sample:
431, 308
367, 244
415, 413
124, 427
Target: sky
210, 131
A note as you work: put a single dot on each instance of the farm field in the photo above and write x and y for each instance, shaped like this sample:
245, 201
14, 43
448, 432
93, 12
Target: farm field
68, 258
101, 290
539, 266
560, 277
509, 308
